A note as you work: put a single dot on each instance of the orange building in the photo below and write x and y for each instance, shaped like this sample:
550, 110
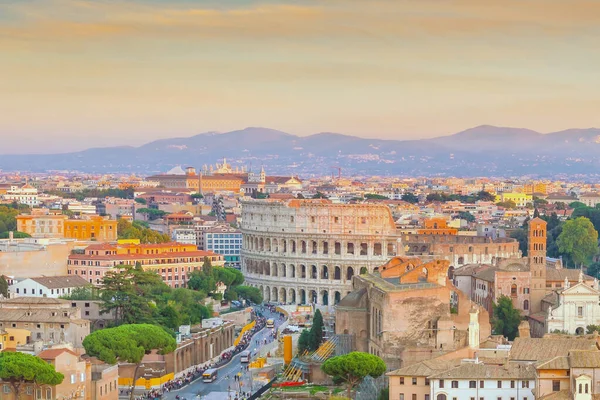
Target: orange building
43, 223
97, 228
436, 226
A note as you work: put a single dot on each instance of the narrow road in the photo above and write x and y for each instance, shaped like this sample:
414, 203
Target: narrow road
226, 381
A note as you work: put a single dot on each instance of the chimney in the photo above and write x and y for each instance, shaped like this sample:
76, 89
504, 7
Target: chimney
524, 330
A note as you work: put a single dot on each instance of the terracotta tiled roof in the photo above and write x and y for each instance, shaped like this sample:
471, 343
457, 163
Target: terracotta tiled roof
483, 371
51, 354
562, 395
118, 257
537, 349
572, 275
560, 362
58, 282
425, 368
584, 359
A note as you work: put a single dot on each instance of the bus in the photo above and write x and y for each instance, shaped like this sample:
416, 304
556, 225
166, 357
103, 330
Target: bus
270, 323
210, 375
245, 356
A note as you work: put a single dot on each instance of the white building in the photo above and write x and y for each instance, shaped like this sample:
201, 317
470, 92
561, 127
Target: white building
578, 306
47, 286
226, 241
25, 194
474, 380
185, 236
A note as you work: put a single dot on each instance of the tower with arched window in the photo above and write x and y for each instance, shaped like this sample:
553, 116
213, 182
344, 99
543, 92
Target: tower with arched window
536, 252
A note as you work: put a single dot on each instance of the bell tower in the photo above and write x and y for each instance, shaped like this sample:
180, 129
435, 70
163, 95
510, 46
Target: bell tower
536, 253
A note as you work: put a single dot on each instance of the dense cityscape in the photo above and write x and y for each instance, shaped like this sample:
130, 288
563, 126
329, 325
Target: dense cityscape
227, 282
287, 200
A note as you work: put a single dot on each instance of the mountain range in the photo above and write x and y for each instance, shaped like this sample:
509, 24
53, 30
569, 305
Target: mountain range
481, 151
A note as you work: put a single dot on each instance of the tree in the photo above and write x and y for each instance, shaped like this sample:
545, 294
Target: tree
410, 198
249, 293
485, 196
83, 293
579, 240
303, 341
17, 369
509, 204
316, 331
506, 318
521, 235
577, 204
467, 216
353, 367
536, 213
375, 196
140, 200
128, 343
3, 286
594, 270
320, 195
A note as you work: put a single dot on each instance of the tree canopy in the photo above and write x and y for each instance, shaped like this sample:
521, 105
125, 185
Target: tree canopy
207, 278
353, 367
316, 331
410, 198
506, 318
138, 296
152, 213
98, 193
579, 240
17, 369
375, 196
3, 286
249, 293
139, 230
8, 214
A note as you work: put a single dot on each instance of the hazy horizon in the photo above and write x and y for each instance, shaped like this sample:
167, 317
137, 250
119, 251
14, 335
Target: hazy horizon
82, 73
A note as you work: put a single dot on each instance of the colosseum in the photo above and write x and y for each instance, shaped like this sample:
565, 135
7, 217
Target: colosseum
307, 251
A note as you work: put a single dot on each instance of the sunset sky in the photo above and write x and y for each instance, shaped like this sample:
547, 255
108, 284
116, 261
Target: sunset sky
76, 73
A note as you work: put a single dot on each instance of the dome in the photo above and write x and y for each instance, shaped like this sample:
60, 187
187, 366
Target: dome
176, 171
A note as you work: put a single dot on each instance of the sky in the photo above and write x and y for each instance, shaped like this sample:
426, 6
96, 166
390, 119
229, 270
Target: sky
76, 74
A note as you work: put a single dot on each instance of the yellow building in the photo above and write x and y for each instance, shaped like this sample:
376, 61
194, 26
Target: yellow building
11, 337
97, 228
41, 223
520, 199
535, 187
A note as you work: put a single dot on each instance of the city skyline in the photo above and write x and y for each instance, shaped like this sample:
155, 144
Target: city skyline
86, 74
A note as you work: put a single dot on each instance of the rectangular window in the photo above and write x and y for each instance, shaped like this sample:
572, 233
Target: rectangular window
402, 380
401, 396
480, 384
472, 384
73, 379
6, 389
556, 386
426, 381
512, 384
414, 397
499, 384
441, 383
580, 311
454, 384
426, 397
524, 384
414, 381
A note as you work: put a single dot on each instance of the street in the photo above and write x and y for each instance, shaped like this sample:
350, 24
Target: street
226, 377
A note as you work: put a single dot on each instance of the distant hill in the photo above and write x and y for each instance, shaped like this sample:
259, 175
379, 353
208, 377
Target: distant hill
483, 150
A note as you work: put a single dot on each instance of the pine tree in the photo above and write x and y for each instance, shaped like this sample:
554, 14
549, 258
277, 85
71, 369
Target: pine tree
316, 331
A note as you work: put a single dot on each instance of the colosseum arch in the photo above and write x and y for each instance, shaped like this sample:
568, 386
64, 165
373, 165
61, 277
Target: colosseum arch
255, 246
292, 296
324, 297
282, 295
312, 296
275, 245
261, 244
267, 294
293, 246
302, 273
313, 272
303, 246
314, 247
337, 274
349, 273
275, 269
291, 271
283, 271
268, 244
324, 272
274, 296
302, 296
337, 297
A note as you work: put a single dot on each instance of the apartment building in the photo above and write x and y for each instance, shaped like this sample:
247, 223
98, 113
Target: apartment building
172, 261
49, 320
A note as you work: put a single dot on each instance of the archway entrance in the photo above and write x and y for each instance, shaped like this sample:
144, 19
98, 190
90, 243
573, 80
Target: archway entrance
579, 331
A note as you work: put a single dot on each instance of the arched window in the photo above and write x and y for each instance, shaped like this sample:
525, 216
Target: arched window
441, 397
513, 290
